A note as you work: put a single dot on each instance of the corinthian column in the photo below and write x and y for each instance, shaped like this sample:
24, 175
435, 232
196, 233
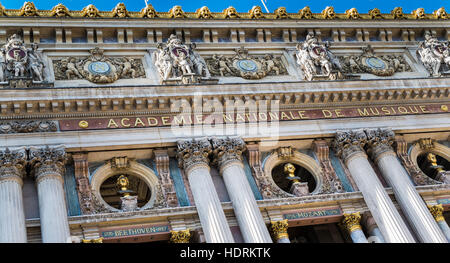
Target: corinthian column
415, 209
348, 146
12, 216
436, 211
193, 157
351, 223
280, 231
48, 166
228, 156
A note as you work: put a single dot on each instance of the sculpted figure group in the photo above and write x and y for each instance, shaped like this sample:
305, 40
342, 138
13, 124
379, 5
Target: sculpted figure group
435, 55
178, 61
19, 62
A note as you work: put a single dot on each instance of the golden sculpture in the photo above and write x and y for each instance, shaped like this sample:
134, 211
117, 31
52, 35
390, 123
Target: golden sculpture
289, 170
419, 13
120, 11
123, 183
148, 12
437, 212
230, 12
90, 11
28, 9
181, 236
351, 221
204, 13
375, 13
352, 13
431, 158
281, 13
279, 229
328, 13
60, 10
305, 13
176, 12
398, 13
256, 12
440, 13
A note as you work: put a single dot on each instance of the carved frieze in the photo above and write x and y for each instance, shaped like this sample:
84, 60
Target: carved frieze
368, 62
27, 126
245, 66
98, 68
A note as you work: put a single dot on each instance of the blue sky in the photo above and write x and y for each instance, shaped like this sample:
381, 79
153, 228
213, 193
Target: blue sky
292, 6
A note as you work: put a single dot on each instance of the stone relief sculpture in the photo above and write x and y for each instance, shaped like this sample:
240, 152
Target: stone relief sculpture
368, 62
177, 12
281, 13
177, 62
256, 12
245, 66
230, 12
148, 12
435, 55
21, 64
305, 13
204, 13
60, 10
316, 61
28, 9
375, 13
120, 11
97, 68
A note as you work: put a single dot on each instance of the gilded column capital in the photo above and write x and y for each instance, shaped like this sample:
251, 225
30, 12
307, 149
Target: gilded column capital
227, 150
352, 221
12, 163
180, 236
347, 144
437, 212
379, 142
279, 229
94, 240
194, 152
47, 161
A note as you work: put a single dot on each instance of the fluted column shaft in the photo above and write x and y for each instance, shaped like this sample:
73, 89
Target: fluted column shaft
193, 157
228, 155
12, 216
410, 201
348, 145
48, 164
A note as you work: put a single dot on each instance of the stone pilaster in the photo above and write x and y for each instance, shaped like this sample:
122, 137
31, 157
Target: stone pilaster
162, 166
380, 150
228, 156
437, 212
12, 216
82, 179
48, 168
349, 146
331, 183
193, 158
279, 231
180, 236
351, 222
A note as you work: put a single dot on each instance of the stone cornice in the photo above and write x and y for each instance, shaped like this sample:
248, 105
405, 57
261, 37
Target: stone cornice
115, 101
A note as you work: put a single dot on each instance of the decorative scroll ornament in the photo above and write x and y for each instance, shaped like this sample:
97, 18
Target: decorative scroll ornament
435, 55
316, 60
368, 62
21, 65
97, 68
178, 63
181, 236
279, 229
245, 66
27, 126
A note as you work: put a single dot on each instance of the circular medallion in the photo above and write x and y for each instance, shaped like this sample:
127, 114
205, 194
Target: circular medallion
83, 124
247, 65
375, 63
99, 67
